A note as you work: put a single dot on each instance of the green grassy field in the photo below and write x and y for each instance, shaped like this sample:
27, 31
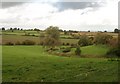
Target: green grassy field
95, 50
32, 64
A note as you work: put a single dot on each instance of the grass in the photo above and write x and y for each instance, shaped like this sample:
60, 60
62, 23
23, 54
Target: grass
32, 64
94, 50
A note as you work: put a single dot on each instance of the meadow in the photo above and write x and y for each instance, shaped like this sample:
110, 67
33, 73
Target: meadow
31, 63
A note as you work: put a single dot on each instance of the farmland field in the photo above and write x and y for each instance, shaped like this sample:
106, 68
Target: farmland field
33, 64
19, 36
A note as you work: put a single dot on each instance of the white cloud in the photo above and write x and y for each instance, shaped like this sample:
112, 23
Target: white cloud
44, 15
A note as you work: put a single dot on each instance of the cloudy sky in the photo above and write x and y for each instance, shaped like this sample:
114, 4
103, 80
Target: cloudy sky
93, 15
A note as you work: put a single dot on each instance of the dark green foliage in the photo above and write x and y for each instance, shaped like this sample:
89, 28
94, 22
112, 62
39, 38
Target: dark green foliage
68, 49
78, 51
28, 42
67, 44
3, 28
114, 52
116, 30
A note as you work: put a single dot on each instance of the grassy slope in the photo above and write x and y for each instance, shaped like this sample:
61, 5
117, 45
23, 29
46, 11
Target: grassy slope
31, 63
95, 50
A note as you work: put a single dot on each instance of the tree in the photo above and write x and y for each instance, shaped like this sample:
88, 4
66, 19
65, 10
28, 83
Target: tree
65, 32
11, 29
52, 37
84, 40
15, 28
116, 31
78, 51
3, 28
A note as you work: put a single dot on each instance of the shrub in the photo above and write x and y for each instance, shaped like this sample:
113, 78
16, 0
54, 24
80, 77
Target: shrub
68, 49
28, 42
102, 38
113, 42
114, 52
84, 40
63, 44
67, 44
78, 51
17, 43
9, 43
73, 45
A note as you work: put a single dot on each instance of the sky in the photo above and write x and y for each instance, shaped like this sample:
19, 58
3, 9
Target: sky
93, 15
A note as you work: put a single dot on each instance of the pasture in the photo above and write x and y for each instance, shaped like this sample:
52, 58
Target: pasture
33, 64
23, 63
21, 35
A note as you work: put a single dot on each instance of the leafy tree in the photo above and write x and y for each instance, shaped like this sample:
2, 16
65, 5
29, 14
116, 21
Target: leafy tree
52, 37
3, 28
11, 29
84, 40
116, 30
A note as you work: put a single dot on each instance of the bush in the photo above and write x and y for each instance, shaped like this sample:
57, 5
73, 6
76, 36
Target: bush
73, 45
68, 49
84, 40
102, 38
63, 44
17, 43
78, 51
9, 43
114, 52
28, 42
67, 44
41, 43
